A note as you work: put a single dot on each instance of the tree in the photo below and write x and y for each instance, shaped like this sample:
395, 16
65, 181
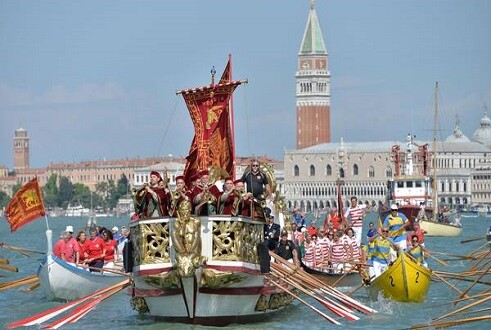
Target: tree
4, 199
50, 192
66, 192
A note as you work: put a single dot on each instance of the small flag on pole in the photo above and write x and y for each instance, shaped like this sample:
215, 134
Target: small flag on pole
26, 206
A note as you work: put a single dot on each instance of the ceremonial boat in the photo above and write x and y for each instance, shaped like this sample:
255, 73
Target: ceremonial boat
412, 191
61, 280
404, 281
204, 269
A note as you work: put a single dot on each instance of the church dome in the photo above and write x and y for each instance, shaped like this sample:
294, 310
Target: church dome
483, 133
457, 135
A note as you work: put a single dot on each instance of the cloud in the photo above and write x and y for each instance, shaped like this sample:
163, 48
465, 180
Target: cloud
87, 93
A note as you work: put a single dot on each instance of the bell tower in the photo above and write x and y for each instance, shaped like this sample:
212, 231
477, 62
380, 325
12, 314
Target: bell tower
21, 149
313, 86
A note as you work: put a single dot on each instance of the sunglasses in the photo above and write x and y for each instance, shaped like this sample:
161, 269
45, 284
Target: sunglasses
385, 231
255, 165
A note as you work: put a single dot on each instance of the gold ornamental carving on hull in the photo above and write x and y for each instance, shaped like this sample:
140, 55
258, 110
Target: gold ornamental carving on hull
236, 241
168, 280
215, 279
186, 240
151, 243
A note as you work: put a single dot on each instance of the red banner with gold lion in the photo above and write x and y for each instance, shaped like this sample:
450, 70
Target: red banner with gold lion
26, 206
209, 108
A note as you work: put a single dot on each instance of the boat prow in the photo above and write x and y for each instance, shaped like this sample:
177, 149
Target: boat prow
404, 281
64, 281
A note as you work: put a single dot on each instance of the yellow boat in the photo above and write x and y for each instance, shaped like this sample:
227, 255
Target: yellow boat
404, 281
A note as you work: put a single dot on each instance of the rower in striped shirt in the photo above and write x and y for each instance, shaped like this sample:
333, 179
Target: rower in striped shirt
354, 216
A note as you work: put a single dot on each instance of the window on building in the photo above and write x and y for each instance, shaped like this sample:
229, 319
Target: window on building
312, 170
388, 172
355, 169
328, 170
341, 172
296, 171
371, 172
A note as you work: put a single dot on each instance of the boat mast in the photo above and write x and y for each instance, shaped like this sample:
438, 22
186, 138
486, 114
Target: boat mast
435, 183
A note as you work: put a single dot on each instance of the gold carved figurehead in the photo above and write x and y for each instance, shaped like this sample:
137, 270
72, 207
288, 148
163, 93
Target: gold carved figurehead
186, 239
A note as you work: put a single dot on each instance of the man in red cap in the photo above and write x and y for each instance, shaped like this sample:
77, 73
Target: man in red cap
229, 199
205, 196
156, 197
179, 195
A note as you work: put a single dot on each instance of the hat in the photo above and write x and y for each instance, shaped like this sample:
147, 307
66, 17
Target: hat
204, 172
180, 177
123, 227
394, 207
69, 229
156, 173
115, 228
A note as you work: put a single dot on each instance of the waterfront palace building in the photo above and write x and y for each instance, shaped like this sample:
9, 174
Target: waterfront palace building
308, 176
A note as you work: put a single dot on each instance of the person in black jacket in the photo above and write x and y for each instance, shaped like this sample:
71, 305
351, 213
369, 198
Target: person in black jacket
286, 249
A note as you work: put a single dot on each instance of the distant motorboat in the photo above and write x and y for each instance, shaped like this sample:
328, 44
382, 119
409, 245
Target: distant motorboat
76, 211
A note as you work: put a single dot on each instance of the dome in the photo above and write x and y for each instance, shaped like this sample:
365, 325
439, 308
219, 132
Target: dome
483, 133
457, 135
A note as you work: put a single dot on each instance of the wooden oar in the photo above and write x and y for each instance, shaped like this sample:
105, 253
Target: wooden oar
19, 249
358, 288
452, 323
441, 262
472, 239
447, 283
9, 268
474, 283
463, 308
16, 283
302, 275
328, 304
327, 317
335, 307
53, 312
34, 286
4, 262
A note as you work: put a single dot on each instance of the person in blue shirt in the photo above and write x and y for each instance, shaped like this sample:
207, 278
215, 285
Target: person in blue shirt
397, 223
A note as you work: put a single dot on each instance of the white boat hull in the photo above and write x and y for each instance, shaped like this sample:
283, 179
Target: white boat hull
440, 229
64, 281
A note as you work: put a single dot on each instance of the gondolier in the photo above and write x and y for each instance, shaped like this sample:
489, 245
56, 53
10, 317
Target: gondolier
354, 216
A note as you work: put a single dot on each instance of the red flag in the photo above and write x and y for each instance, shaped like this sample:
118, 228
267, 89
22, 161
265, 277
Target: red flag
212, 142
227, 74
26, 206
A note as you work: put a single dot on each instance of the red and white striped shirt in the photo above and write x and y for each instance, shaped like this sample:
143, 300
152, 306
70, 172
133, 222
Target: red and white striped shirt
356, 215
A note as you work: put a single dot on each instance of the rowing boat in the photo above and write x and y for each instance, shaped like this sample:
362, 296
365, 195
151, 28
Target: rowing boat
61, 280
404, 281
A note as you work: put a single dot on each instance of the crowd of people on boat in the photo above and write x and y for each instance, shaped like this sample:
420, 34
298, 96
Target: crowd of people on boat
336, 246
224, 195
102, 249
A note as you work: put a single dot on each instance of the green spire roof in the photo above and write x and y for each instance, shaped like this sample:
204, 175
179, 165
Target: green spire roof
313, 42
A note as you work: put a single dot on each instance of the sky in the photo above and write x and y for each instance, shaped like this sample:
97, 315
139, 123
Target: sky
94, 80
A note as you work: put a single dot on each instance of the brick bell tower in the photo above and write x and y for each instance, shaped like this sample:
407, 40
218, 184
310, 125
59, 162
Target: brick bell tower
313, 87
21, 149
